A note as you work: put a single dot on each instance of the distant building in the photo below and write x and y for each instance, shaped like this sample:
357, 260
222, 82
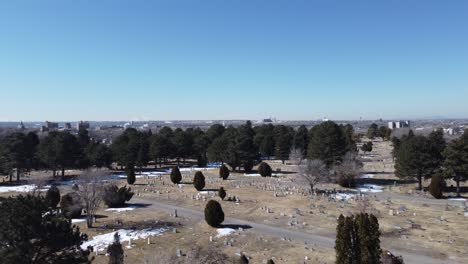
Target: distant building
67, 126
267, 120
51, 125
21, 126
82, 125
399, 124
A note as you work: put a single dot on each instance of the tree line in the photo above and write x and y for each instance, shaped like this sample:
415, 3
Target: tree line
239, 147
422, 157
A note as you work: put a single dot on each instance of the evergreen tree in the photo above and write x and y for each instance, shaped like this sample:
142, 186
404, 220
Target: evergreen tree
373, 131
71, 205
98, 155
246, 149
37, 234
283, 139
214, 214
161, 148
367, 147
199, 181
437, 186
131, 178
176, 176
126, 147
217, 150
183, 142
115, 251
265, 170
115, 197
456, 159
53, 197
222, 193
301, 139
14, 153
348, 137
327, 143
215, 131
223, 172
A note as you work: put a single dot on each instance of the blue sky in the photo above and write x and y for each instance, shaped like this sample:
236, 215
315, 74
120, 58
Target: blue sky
212, 59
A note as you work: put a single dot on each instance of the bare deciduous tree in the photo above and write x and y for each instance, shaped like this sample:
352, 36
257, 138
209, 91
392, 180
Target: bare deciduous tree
348, 170
296, 155
314, 172
91, 190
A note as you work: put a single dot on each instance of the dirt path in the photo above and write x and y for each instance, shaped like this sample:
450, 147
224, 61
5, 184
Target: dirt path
415, 256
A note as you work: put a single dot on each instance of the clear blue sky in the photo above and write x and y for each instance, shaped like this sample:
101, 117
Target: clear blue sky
213, 59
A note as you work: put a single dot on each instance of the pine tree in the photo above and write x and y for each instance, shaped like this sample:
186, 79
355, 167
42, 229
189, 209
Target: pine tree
327, 143
115, 251
265, 170
176, 176
53, 196
131, 178
222, 193
456, 159
437, 186
199, 181
71, 205
214, 214
37, 234
223, 172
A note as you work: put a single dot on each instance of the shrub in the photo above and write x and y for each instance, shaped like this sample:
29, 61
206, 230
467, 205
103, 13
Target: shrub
265, 170
270, 261
115, 251
347, 181
214, 214
176, 177
131, 174
199, 181
71, 205
53, 197
389, 258
114, 197
243, 260
437, 186
222, 193
248, 166
224, 172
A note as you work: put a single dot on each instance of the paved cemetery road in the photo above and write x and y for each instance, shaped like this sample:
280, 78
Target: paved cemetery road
416, 199
410, 257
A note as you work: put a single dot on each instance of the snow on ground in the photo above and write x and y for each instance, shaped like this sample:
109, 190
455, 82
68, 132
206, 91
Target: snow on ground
206, 192
367, 176
258, 174
457, 199
370, 188
344, 196
22, 188
101, 242
222, 232
123, 209
79, 220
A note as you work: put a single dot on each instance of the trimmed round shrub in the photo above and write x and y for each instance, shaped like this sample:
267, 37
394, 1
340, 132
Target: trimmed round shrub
71, 205
243, 260
115, 197
214, 214
53, 197
222, 193
437, 186
224, 172
176, 176
265, 170
248, 166
199, 181
270, 262
131, 178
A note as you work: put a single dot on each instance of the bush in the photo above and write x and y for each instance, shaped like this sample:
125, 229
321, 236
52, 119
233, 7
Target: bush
265, 170
53, 197
199, 181
114, 197
131, 174
71, 205
347, 181
214, 214
389, 258
222, 193
224, 172
243, 260
270, 262
437, 186
176, 177
248, 166
115, 251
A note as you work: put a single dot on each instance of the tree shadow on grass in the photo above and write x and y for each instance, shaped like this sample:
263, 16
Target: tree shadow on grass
383, 182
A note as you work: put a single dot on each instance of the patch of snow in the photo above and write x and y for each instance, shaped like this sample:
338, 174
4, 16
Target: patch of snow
101, 242
370, 188
258, 174
206, 192
457, 199
124, 209
80, 220
222, 232
367, 176
344, 196
22, 188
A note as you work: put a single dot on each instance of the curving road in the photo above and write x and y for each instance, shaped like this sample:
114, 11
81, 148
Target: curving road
410, 256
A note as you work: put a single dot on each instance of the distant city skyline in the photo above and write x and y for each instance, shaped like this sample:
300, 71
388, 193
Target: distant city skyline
244, 60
